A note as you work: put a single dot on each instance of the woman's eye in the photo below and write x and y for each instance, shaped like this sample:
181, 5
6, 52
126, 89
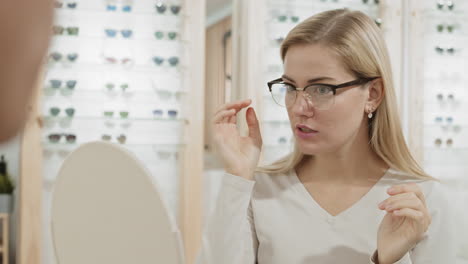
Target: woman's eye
289, 87
323, 89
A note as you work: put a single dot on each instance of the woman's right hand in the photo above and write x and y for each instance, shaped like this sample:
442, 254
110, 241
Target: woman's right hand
240, 155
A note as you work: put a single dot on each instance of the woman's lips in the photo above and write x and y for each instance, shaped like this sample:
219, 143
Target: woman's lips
305, 135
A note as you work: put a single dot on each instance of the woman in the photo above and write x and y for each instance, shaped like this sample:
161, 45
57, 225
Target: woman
350, 192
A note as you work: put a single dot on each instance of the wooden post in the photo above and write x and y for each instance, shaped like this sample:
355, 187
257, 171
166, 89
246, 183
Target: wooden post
30, 188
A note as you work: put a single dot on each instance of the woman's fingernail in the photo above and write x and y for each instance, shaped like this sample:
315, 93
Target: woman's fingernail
381, 204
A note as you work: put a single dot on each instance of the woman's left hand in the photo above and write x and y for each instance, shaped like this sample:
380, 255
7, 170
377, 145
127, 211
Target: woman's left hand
405, 223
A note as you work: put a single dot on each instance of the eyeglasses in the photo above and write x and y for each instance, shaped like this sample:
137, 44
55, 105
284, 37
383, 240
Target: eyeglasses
322, 96
123, 61
448, 28
71, 31
57, 56
112, 33
450, 97
70, 5
367, 2
113, 8
159, 113
110, 114
121, 138
170, 35
166, 155
438, 142
55, 111
110, 87
284, 18
448, 4
55, 138
441, 50
166, 95
57, 84
161, 8
440, 119
173, 61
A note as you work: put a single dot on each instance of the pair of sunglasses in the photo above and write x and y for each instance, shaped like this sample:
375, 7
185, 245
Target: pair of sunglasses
368, 2
113, 8
159, 113
57, 56
166, 155
441, 5
441, 50
112, 33
284, 18
448, 28
161, 8
71, 31
55, 111
448, 119
171, 35
110, 114
121, 138
123, 61
441, 97
69, 138
165, 94
110, 86
70, 5
438, 142
57, 84
173, 61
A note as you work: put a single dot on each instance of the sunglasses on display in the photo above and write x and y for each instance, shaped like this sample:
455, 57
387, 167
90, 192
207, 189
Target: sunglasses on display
448, 28
113, 8
111, 86
112, 33
170, 35
161, 8
70, 5
369, 1
71, 31
284, 18
440, 97
441, 50
57, 56
441, 4
55, 111
121, 138
123, 61
166, 155
439, 120
438, 142
55, 138
57, 84
166, 95
173, 61
158, 113
110, 114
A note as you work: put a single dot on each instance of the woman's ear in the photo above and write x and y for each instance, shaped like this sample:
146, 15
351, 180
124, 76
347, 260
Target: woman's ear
376, 93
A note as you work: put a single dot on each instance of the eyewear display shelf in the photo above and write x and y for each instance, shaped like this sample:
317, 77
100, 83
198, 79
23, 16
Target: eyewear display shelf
129, 73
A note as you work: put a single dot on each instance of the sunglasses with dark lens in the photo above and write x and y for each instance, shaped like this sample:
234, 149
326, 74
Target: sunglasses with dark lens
170, 35
441, 50
448, 28
121, 138
284, 18
71, 31
57, 56
445, 3
55, 111
173, 61
367, 2
112, 33
69, 138
57, 84
70, 5
161, 8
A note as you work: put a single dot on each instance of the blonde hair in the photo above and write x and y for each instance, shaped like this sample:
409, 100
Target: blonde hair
356, 39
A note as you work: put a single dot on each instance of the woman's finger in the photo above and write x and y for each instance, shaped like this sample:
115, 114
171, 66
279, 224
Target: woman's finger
412, 203
221, 116
238, 105
407, 188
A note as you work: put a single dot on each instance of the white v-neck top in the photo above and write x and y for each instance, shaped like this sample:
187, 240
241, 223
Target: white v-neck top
274, 220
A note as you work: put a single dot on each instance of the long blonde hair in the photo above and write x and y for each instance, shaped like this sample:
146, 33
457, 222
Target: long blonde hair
357, 40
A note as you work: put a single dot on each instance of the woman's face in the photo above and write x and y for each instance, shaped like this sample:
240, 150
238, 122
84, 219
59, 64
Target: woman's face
338, 125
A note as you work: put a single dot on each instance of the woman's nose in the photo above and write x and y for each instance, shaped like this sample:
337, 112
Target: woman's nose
303, 105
